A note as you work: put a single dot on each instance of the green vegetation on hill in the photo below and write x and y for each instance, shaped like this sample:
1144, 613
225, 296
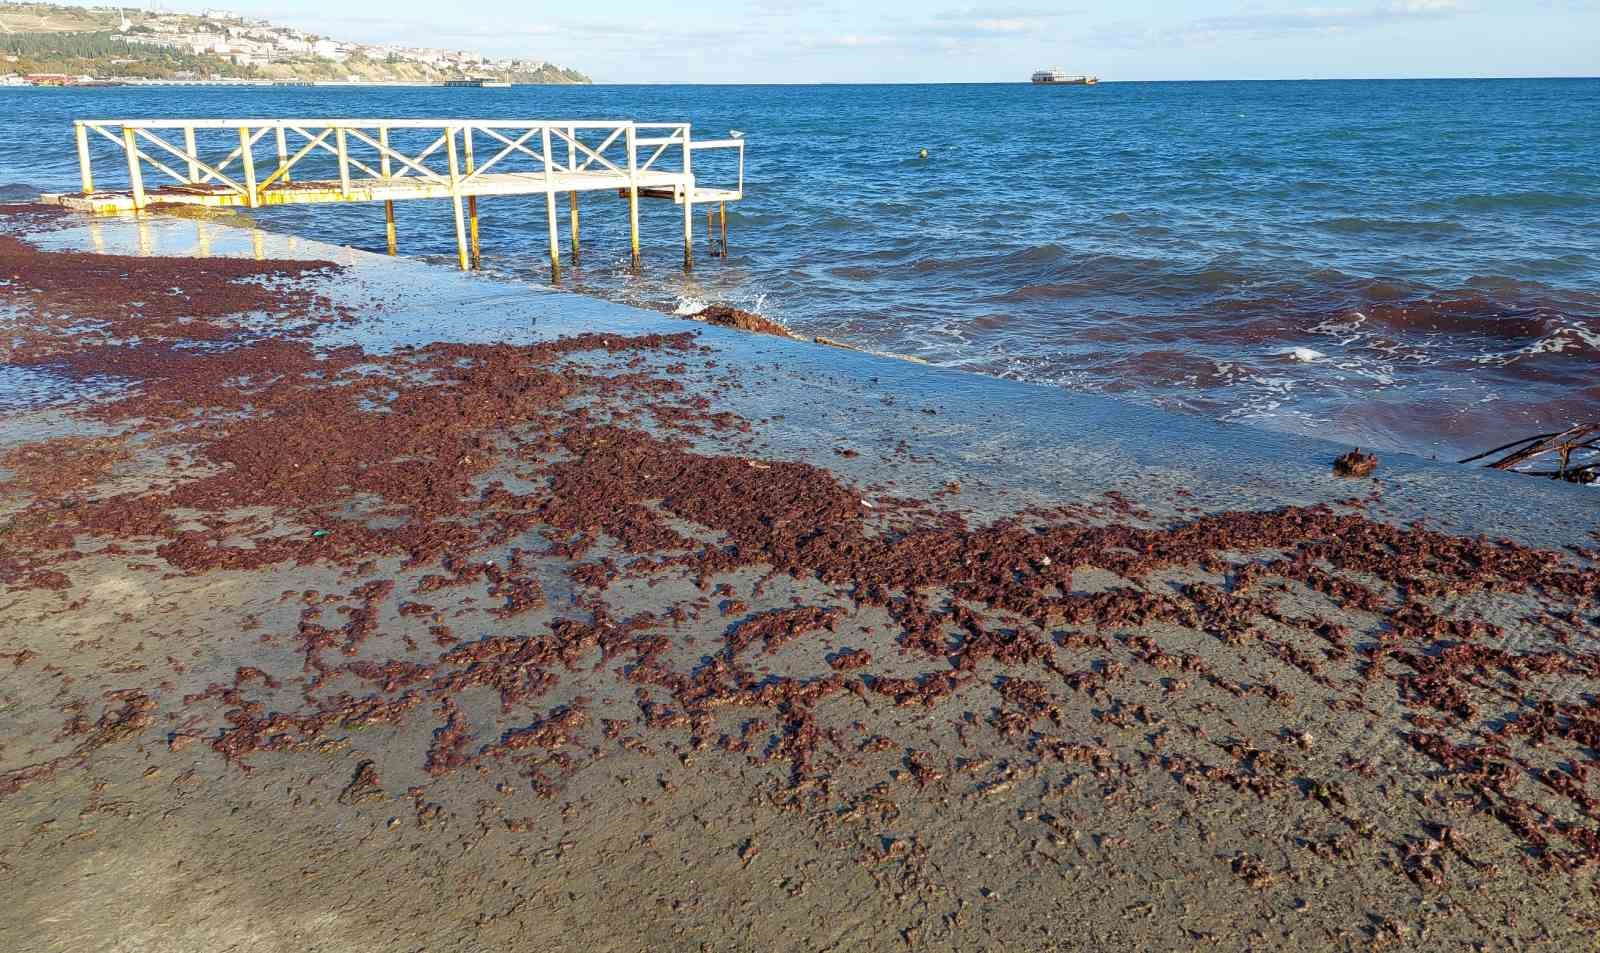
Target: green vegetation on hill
51, 18
84, 41
102, 54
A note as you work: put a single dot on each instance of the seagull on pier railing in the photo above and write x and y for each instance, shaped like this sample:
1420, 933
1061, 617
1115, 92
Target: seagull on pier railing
736, 133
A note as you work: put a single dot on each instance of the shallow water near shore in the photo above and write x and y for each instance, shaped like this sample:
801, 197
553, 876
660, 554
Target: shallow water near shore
1403, 265
1014, 444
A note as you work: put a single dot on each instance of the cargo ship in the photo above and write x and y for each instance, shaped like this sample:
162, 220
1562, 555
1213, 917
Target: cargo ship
1054, 76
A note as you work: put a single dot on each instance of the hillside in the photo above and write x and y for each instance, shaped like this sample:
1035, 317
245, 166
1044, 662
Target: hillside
108, 44
50, 18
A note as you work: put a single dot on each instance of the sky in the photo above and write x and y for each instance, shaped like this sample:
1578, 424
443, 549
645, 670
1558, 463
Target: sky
727, 41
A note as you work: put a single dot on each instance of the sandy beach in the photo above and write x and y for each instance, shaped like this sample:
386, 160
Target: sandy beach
355, 604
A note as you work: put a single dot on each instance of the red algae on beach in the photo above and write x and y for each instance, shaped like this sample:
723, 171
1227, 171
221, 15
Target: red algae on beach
729, 317
1355, 464
121, 297
558, 523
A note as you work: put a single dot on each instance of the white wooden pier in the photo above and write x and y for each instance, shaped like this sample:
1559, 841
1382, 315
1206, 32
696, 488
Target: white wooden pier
250, 163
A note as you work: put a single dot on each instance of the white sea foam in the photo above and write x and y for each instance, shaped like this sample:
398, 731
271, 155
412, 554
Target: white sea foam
1346, 332
689, 304
1563, 339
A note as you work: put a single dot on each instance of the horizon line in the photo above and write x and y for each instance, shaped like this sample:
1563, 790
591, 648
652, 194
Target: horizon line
1102, 81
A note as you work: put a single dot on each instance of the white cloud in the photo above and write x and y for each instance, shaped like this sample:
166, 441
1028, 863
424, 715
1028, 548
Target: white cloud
856, 39
1003, 26
1284, 23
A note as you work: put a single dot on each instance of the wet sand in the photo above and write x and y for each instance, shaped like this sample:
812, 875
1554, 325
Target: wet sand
360, 605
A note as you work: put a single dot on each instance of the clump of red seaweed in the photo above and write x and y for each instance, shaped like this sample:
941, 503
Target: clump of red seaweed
730, 317
1356, 464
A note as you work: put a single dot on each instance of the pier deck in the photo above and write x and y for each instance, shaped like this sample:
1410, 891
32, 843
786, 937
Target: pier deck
251, 163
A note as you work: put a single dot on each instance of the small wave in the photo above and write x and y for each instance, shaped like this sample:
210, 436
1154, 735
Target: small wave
1461, 316
1211, 279
1569, 340
854, 272
689, 304
1353, 225
1046, 253
1021, 260
1047, 292
1345, 327
1515, 201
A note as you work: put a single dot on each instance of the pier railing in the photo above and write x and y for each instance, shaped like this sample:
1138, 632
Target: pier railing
250, 158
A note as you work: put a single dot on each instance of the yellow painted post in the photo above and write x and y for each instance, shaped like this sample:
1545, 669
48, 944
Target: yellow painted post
135, 174
344, 161
283, 152
711, 231
455, 199
723, 212
572, 197
388, 204
189, 150
550, 209
688, 203
85, 168
633, 192
246, 153
472, 201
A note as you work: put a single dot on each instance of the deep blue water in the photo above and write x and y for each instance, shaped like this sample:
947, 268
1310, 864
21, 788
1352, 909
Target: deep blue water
1410, 264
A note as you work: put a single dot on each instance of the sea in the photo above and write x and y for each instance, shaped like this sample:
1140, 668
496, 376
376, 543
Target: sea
1399, 265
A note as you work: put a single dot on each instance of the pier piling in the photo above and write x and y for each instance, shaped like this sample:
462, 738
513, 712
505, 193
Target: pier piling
550, 212
85, 167
283, 152
247, 158
633, 192
191, 151
456, 199
388, 204
344, 162
461, 235
572, 197
472, 201
633, 221
135, 175
688, 206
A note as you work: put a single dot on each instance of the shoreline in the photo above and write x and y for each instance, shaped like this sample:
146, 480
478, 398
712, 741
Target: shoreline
718, 311
485, 616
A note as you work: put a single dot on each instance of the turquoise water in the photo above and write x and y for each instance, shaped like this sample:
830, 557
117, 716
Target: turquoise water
1408, 264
